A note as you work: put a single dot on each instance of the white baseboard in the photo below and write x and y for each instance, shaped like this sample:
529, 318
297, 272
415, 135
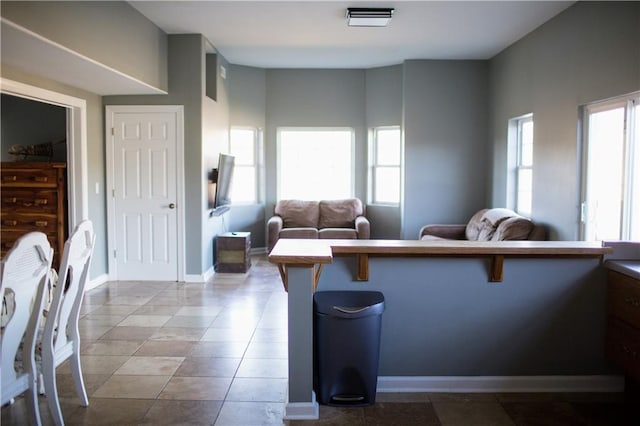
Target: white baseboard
209, 274
302, 410
199, 278
598, 383
99, 280
258, 250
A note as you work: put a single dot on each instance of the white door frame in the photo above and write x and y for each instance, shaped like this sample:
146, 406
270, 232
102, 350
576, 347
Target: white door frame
76, 142
110, 111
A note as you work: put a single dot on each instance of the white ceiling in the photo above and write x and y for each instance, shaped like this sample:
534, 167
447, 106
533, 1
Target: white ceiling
296, 34
314, 34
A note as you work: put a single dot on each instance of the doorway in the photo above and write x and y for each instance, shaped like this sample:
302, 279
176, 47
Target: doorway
76, 122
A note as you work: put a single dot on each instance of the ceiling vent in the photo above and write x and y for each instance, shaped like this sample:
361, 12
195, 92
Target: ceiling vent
368, 17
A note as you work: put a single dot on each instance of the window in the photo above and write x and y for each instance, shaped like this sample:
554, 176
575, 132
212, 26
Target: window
243, 145
520, 192
315, 163
385, 159
611, 175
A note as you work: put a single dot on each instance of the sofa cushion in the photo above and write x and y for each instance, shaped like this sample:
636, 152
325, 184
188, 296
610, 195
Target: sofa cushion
339, 213
495, 216
475, 224
484, 224
433, 238
298, 213
513, 228
311, 233
489, 222
486, 230
338, 233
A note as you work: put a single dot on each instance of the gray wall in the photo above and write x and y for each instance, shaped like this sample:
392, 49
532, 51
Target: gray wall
589, 52
247, 105
26, 122
95, 158
112, 33
248, 96
206, 124
215, 139
290, 98
384, 108
443, 318
445, 139
315, 98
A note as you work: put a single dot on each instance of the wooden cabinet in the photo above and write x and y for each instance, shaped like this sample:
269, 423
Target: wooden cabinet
232, 252
33, 199
623, 323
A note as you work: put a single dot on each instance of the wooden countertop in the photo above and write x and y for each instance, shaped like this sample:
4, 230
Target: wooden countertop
316, 253
296, 251
630, 268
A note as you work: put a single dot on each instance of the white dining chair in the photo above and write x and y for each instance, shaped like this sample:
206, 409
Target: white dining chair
23, 277
61, 338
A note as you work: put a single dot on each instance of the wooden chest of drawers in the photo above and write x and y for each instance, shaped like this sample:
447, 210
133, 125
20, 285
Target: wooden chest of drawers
623, 323
33, 199
232, 252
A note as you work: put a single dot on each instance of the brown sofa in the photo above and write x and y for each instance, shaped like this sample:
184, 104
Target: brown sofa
487, 225
340, 219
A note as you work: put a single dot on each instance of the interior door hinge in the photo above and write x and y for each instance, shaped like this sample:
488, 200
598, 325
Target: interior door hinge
114, 254
113, 193
113, 131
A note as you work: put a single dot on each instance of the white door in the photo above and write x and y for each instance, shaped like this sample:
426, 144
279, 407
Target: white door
144, 193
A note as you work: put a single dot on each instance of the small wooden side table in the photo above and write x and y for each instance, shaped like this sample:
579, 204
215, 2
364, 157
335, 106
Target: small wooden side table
232, 252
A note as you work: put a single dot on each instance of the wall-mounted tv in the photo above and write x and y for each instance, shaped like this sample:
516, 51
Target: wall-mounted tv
220, 184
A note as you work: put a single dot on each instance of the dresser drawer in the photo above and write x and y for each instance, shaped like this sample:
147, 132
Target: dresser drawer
27, 222
8, 239
623, 298
29, 177
24, 200
623, 346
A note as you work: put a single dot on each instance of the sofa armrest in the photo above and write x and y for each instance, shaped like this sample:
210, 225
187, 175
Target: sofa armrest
363, 228
449, 232
538, 233
274, 226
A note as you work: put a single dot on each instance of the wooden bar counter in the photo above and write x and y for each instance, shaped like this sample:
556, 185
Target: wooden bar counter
459, 316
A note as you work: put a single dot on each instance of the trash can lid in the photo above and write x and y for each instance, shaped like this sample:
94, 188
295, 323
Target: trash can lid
349, 304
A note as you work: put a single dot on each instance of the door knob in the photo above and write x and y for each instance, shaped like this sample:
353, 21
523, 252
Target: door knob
172, 206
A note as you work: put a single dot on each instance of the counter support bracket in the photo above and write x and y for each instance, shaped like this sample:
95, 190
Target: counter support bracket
284, 275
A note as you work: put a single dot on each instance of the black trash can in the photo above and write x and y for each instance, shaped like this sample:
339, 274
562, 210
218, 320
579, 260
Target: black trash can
347, 346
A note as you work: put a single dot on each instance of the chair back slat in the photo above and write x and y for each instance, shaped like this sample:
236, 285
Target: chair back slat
24, 277
62, 323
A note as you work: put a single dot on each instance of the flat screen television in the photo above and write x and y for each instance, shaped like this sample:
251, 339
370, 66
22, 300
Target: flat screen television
220, 180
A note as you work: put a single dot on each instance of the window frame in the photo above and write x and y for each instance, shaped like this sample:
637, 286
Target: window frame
257, 165
631, 162
515, 142
279, 168
374, 166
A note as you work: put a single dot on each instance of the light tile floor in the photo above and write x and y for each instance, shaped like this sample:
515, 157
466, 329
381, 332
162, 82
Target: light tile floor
164, 353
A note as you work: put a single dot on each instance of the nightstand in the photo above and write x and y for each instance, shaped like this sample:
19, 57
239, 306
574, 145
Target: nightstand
232, 252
